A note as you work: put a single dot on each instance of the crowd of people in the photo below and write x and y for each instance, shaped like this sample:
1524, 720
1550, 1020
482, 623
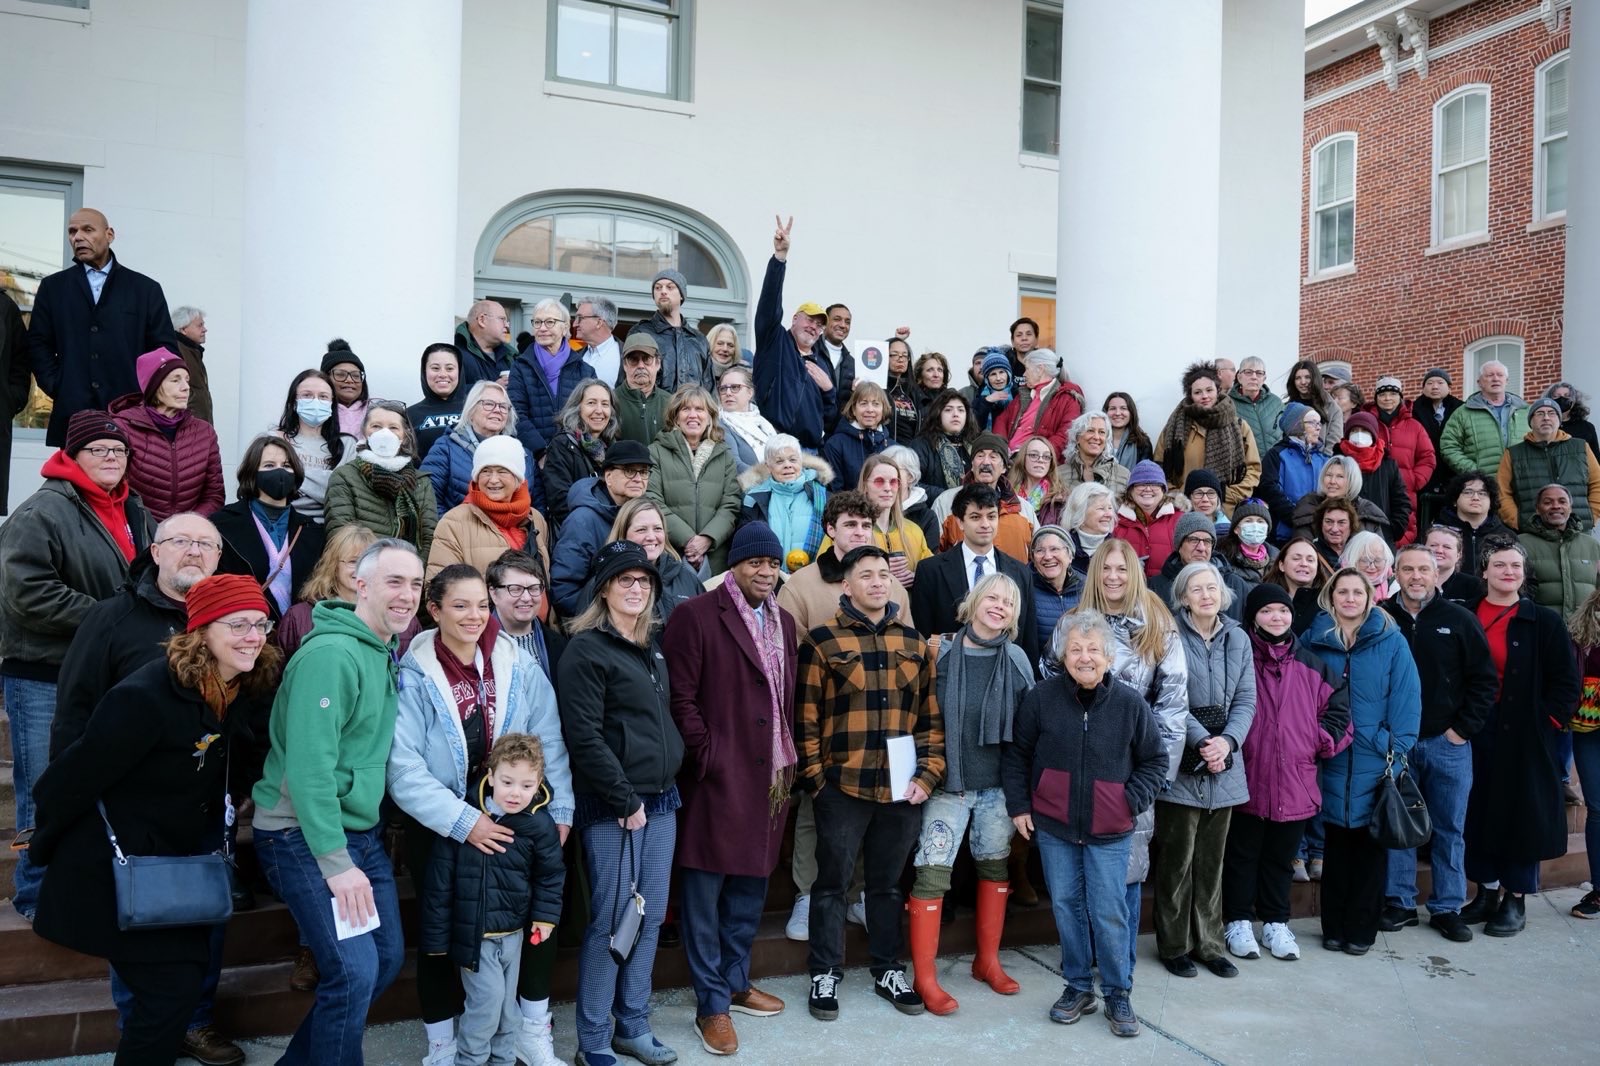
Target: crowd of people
629, 605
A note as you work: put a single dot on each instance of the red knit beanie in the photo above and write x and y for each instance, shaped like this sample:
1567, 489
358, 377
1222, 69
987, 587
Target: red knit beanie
219, 596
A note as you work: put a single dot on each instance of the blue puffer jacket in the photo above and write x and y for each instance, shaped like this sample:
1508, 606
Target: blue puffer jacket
588, 526
448, 465
1385, 709
531, 398
1288, 472
847, 449
427, 771
1049, 605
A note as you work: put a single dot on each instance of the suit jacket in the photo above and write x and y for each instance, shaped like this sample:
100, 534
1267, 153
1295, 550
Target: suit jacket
941, 585
82, 352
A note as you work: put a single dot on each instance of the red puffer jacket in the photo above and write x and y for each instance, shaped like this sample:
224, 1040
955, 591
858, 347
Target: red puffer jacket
1409, 445
1151, 538
171, 476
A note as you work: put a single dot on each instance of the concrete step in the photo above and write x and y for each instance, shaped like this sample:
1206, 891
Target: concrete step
8, 797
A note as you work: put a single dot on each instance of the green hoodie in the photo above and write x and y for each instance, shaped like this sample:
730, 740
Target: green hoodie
332, 724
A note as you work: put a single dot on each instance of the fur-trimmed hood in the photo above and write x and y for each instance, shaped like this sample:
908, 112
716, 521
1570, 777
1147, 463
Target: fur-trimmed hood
755, 475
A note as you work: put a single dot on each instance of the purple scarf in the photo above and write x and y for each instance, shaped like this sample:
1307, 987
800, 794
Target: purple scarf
768, 639
550, 363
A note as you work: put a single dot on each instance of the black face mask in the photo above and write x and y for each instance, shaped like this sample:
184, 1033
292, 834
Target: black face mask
277, 483
1565, 403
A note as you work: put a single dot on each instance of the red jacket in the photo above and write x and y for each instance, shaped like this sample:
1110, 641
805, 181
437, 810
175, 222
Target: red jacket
1153, 539
1408, 444
171, 476
1063, 404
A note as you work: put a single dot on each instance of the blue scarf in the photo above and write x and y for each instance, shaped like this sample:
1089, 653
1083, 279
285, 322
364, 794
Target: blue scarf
795, 514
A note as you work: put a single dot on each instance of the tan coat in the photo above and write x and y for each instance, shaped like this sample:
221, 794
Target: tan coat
1194, 458
466, 535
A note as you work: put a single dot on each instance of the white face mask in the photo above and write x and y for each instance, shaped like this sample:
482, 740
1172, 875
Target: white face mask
1253, 531
1361, 439
385, 443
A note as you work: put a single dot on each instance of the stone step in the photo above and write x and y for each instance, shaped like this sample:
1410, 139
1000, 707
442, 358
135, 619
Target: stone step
8, 797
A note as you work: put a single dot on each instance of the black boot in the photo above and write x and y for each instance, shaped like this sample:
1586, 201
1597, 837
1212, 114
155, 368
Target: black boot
1510, 919
1482, 907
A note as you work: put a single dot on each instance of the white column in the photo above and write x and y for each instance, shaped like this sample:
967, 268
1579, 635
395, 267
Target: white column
1580, 339
352, 136
1136, 276
1263, 132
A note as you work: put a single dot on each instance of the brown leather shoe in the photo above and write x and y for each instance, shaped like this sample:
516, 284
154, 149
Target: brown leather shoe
305, 977
204, 1044
717, 1035
755, 1002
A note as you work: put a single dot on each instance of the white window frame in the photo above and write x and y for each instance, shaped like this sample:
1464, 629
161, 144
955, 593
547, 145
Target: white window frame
1514, 380
1540, 140
682, 51
1044, 7
69, 183
1475, 236
1313, 229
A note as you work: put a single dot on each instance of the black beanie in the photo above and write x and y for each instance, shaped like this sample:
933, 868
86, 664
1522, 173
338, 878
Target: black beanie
1264, 595
339, 352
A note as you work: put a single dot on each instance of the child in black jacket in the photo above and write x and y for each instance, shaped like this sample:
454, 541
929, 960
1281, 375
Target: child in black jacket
476, 907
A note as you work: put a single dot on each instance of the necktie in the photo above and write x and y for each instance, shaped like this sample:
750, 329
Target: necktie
977, 568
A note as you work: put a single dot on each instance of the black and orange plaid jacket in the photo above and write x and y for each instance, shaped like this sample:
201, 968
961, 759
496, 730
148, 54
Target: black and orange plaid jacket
859, 685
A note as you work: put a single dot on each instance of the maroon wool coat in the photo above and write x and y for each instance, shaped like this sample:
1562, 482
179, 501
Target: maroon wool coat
171, 476
723, 707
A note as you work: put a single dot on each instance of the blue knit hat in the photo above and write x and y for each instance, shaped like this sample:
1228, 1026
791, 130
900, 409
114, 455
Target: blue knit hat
997, 359
1147, 472
754, 540
1293, 414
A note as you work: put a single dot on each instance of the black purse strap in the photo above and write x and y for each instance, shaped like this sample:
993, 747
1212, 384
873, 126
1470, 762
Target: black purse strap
634, 868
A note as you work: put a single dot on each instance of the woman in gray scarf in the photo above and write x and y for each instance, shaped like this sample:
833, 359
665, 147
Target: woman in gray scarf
981, 678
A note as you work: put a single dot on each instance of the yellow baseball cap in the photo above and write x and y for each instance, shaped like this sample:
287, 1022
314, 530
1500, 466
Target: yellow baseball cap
813, 310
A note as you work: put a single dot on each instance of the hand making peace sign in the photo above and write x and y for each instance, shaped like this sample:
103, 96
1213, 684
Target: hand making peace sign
780, 239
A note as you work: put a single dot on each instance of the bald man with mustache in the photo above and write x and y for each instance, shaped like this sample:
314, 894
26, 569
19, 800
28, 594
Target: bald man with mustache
91, 322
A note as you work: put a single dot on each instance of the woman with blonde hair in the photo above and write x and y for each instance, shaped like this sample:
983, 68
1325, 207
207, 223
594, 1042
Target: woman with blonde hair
882, 481
1037, 477
644, 522
723, 341
695, 480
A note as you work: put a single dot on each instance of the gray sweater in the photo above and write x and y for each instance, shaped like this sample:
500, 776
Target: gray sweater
969, 765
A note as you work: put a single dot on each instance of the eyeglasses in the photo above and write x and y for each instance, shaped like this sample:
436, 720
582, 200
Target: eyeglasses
184, 544
347, 375
630, 581
1198, 539
547, 323
580, 318
634, 473
732, 387
100, 451
494, 405
1476, 493
531, 590
240, 628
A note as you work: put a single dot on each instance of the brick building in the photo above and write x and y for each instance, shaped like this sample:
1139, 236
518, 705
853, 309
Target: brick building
1434, 190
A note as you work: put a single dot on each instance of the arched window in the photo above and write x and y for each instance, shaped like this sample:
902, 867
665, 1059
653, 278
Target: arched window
604, 244
1507, 350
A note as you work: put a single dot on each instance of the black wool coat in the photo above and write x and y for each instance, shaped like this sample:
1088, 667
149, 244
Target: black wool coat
243, 552
157, 757
82, 352
1519, 800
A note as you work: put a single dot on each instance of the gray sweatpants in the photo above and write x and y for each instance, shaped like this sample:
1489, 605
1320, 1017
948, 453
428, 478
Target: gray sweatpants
487, 1031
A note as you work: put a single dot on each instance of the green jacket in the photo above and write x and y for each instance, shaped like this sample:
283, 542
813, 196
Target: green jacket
640, 418
352, 501
1471, 439
708, 504
1561, 564
1261, 415
331, 728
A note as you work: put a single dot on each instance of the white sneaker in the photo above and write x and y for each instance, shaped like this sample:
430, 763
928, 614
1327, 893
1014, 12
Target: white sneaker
536, 1045
856, 913
1241, 940
799, 927
441, 1054
1280, 941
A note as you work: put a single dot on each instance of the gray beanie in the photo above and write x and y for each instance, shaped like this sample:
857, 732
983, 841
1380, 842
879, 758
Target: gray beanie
1437, 372
673, 276
1192, 522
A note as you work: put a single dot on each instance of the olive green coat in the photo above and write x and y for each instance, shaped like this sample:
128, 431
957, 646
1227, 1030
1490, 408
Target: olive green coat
352, 502
708, 504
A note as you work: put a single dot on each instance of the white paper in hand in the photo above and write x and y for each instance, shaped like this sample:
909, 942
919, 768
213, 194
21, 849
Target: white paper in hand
345, 929
902, 765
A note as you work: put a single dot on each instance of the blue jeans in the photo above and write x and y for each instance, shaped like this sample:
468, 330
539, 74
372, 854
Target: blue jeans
1315, 842
1088, 887
1443, 771
1586, 757
355, 972
31, 706
122, 995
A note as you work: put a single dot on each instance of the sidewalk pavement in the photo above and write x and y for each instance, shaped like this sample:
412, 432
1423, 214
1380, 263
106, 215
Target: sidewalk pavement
1415, 998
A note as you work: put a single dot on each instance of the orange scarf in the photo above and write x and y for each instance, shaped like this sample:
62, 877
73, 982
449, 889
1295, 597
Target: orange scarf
510, 517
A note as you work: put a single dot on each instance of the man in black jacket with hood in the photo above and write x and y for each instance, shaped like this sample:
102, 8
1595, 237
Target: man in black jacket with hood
1459, 687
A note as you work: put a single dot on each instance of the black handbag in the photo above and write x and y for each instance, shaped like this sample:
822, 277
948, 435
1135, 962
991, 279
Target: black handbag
1399, 813
170, 891
1213, 719
626, 927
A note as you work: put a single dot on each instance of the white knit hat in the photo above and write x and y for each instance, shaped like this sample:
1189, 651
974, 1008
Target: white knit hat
503, 451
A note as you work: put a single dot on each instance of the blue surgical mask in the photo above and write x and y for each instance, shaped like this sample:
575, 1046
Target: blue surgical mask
1253, 531
313, 412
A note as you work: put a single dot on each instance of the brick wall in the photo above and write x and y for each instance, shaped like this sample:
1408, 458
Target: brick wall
1403, 310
